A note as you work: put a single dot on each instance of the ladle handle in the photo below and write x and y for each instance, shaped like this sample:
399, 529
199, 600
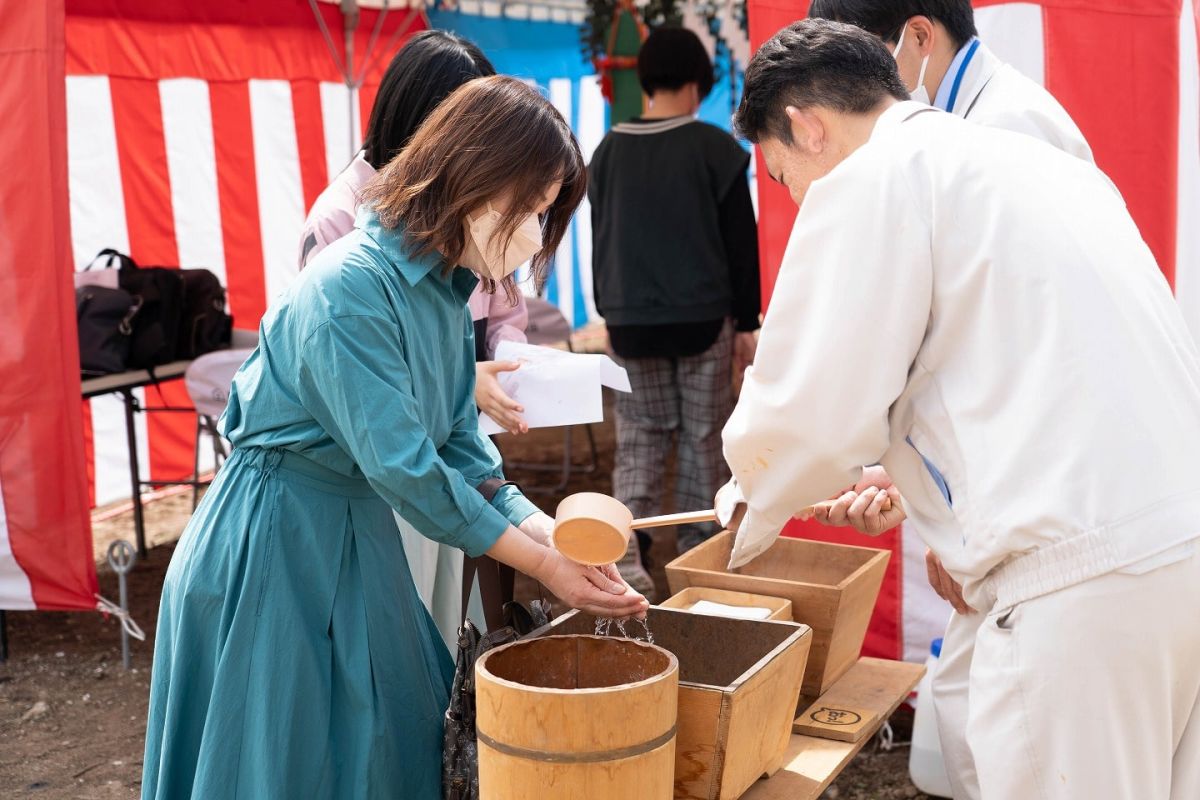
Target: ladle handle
686, 518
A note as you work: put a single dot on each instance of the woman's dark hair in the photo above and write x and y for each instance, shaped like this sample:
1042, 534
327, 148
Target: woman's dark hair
422, 74
670, 59
493, 138
884, 18
814, 63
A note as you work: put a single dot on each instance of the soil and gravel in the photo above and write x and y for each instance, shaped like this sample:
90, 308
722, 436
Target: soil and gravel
72, 720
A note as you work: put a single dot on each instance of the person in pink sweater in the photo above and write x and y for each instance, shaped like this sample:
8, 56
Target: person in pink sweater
430, 66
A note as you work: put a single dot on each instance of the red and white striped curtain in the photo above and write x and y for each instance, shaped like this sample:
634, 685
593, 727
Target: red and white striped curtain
1128, 73
199, 136
189, 134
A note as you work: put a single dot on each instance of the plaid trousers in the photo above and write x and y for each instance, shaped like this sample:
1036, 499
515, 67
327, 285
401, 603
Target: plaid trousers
687, 400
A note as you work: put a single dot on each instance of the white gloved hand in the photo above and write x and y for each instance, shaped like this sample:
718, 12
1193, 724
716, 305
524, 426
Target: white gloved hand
733, 513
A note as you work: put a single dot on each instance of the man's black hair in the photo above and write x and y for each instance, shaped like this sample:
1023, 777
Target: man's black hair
670, 59
814, 62
884, 18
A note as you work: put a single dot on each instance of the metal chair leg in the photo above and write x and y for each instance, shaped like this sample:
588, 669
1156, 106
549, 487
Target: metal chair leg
595, 463
196, 463
566, 462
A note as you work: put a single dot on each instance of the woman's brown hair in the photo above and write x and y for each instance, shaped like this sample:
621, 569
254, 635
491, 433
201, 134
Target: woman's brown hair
493, 138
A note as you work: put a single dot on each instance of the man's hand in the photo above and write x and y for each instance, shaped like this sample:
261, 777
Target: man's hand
947, 588
730, 506
744, 347
492, 400
871, 506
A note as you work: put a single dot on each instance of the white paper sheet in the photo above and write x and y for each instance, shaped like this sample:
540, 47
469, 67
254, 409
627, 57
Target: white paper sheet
554, 386
723, 610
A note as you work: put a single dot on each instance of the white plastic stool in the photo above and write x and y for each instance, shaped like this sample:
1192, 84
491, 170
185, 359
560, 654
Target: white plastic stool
209, 379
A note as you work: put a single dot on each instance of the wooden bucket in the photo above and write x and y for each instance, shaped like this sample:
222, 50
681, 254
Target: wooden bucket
576, 718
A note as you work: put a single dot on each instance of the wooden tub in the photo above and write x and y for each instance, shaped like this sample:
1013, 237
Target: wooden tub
576, 718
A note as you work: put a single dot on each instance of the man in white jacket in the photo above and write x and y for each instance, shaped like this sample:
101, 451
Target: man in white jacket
978, 300
939, 54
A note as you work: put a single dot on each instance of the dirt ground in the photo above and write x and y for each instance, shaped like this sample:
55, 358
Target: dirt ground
72, 720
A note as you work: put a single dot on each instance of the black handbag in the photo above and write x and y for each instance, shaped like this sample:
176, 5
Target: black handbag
155, 338
460, 750
205, 326
105, 319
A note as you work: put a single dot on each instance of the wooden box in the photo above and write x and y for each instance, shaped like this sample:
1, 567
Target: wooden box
739, 681
832, 588
780, 607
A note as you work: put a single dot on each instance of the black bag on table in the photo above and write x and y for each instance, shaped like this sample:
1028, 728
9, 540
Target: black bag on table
205, 326
183, 311
156, 328
105, 319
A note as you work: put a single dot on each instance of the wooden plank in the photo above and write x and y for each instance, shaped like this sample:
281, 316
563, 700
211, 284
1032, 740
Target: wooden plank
852, 706
811, 764
841, 722
697, 745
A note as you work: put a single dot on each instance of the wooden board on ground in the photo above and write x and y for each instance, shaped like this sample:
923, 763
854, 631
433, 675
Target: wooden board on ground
812, 763
851, 707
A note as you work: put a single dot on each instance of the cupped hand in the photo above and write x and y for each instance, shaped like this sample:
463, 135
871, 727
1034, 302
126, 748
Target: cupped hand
592, 590
492, 399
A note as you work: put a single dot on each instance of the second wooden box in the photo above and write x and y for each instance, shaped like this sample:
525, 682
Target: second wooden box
739, 681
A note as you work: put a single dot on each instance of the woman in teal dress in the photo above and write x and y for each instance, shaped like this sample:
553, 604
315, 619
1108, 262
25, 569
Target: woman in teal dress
294, 659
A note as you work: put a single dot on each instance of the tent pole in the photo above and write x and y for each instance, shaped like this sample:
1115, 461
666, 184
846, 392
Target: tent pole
349, 24
3, 636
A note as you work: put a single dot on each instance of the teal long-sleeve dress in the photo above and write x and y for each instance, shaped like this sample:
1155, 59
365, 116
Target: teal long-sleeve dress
294, 658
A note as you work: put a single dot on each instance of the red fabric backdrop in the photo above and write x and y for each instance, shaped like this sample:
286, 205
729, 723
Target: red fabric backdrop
41, 443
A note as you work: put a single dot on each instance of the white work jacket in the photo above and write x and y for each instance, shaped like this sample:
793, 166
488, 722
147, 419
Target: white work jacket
995, 94
976, 297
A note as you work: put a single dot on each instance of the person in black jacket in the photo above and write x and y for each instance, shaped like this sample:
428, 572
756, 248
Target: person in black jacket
675, 266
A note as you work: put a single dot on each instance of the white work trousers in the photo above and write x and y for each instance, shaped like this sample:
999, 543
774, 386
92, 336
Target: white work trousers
1088, 693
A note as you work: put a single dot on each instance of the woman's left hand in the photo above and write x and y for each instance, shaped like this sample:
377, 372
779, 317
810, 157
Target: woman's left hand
611, 572
539, 526
493, 401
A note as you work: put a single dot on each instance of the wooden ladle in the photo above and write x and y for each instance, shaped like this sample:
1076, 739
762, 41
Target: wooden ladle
594, 529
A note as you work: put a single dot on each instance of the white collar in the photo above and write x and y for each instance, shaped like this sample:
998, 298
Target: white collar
981, 69
898, 113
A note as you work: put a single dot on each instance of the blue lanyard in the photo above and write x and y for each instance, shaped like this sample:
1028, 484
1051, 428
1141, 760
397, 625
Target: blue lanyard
959, 77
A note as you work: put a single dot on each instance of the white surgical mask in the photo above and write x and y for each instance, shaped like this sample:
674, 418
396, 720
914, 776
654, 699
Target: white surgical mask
482, 253
920, 93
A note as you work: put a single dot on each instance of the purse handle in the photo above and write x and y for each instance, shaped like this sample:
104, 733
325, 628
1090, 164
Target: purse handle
123, 261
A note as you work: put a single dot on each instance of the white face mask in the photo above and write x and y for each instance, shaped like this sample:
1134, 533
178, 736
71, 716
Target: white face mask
481, 252
920, 93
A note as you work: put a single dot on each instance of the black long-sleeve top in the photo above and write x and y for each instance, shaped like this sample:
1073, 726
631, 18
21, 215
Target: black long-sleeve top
675, 246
